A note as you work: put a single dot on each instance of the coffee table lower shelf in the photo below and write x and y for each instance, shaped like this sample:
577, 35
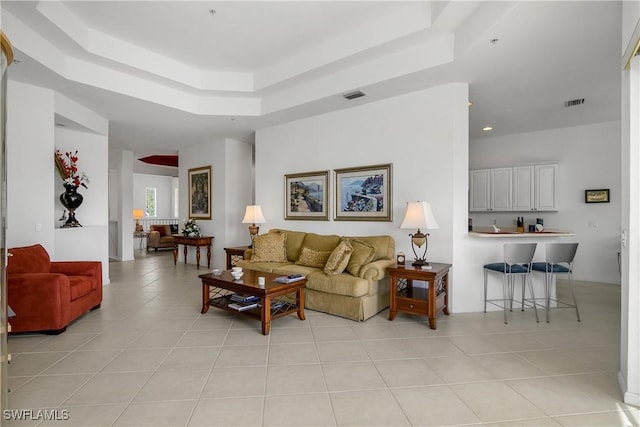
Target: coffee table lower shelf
218, 289
256, 313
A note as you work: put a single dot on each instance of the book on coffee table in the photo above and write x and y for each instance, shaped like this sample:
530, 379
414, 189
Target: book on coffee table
244, 298
242, 306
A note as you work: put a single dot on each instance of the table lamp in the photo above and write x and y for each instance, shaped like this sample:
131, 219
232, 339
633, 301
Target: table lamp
138, 214
419, 215
253, 215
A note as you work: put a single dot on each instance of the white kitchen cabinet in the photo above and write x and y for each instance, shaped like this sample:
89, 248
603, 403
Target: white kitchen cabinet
501, 189
545, 187
523, 188
517, 189
479, 190
490, 190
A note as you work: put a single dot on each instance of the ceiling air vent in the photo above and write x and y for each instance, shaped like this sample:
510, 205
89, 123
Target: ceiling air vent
574, 102
354, 95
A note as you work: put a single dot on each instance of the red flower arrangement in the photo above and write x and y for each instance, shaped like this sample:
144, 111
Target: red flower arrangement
68, 169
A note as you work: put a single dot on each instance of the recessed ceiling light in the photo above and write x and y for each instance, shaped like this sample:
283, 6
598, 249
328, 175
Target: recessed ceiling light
469, 103
494, 41
487, 128
212, 12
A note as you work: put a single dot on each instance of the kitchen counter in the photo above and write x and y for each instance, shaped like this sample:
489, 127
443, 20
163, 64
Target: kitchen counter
511, 233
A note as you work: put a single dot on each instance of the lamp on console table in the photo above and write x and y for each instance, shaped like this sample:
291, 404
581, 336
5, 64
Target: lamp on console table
253, 215
419, 215
138, 214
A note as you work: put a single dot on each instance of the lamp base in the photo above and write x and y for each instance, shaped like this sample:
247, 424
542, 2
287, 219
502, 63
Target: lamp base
253, 232
419, 262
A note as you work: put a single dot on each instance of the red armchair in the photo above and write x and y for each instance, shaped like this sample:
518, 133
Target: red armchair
46, 296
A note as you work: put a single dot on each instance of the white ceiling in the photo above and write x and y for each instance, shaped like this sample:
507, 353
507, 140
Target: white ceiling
169, 74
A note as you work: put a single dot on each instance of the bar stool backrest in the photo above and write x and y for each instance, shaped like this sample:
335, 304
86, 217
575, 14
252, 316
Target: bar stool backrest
519, 253
561, 252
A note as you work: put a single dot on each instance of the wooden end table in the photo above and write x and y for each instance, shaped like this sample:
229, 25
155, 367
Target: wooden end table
217, 291
234, 255
403, 296
179, 239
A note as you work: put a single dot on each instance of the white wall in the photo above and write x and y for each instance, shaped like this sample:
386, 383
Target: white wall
239, 183
423, 134
91, 241
92, 150
33, 186
30, 167
164, 193
588, 157
230, 162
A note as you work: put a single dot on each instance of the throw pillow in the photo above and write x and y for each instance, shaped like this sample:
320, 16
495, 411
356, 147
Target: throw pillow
362, 254
270, 247
312, 258
338, 259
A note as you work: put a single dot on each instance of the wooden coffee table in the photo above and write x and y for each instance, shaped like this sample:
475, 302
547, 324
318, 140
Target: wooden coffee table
217, 291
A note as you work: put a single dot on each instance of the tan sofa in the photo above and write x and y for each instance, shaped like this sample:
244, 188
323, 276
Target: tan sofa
354, 297
160, 237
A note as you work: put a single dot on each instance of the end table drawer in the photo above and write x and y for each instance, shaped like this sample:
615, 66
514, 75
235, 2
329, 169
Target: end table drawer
412, 306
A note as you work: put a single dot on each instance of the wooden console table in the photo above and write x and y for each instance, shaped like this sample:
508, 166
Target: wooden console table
403, 296
192, 241
234, 255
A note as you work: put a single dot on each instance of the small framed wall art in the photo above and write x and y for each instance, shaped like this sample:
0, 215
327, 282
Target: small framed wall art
596, 196
200, 193
363, 193
306, 196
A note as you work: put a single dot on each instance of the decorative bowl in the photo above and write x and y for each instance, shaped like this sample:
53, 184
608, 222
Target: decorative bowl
237, 275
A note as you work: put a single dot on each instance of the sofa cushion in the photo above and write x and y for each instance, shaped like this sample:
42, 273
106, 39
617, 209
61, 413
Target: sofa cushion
295, 269
384, 245
362, 254
339, 258
267, 267
164, 230
29, 259
166, 239
294, 242
321, 243
341, 284
312, 258
80, 286
270, 247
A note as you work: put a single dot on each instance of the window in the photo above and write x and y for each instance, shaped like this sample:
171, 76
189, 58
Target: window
150, 202
175, 203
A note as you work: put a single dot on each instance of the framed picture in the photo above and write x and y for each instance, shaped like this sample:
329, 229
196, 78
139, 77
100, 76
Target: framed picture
306, 196
200, 193
596, 196
363, 194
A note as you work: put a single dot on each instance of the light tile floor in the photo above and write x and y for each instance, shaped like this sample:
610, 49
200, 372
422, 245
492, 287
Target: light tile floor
149, 358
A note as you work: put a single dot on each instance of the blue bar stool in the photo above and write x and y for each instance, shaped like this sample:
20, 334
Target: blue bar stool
517, 262
560, 258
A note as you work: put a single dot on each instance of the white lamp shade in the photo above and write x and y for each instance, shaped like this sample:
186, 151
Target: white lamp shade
419, 215
253, 215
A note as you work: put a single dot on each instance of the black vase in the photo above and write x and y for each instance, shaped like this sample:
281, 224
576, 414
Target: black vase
71, 200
